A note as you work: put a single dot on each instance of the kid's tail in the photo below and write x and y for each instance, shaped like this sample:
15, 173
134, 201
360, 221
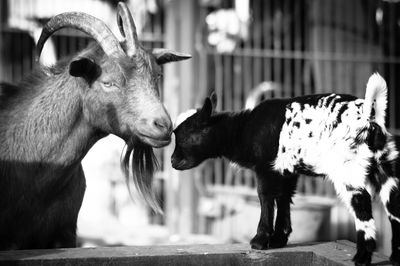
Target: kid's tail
376, 96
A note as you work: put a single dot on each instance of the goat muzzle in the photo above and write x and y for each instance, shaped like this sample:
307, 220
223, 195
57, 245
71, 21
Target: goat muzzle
156, 132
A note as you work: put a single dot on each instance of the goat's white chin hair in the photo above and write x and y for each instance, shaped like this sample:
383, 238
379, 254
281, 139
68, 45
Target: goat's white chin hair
183, 116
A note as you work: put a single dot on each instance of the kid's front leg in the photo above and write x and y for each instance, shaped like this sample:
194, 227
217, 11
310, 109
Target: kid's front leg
265, 226
283, 224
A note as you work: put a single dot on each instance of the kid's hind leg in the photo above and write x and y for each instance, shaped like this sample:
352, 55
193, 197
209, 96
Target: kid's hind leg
358, 201
365, 226
390, 196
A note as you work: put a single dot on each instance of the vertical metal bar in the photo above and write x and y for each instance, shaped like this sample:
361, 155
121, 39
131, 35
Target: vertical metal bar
297, 47
256, 36
82, 42
246, 80
289, 45
1, 48
228, 96
300, 184
21, 54
237, 88
331, 40
227, 81
32, 49
178, 96
309, 64
16, 69
247, 65
340, 66
208, 172
342, 48
266, 29
218, 79
219, 91
326, 47
27, 59
63, 46
8, 68
392, 71
370, 27
72, 44
229, 174
355, 47
277, 35
204, 69
157, 24
287, 16
248, 179
381, 41
204, 177
10, 57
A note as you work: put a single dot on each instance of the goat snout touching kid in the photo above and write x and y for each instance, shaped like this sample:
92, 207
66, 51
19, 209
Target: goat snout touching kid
337, 136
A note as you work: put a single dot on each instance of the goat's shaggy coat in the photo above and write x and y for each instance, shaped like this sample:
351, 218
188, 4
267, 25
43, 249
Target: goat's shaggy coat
333, 135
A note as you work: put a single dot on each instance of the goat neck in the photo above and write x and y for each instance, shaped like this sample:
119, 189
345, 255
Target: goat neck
228, 131
50, 128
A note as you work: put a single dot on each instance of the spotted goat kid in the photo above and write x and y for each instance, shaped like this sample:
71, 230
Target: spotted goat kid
337, 136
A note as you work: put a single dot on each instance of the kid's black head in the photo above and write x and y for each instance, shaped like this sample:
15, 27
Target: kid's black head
194, 138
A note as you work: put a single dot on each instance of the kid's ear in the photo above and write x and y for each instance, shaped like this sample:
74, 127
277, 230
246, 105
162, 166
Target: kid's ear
206, 110
213, 98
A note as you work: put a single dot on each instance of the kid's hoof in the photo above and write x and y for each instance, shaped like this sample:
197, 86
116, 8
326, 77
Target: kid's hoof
362, 258
395, 258
260, 242
278, 240
370, 245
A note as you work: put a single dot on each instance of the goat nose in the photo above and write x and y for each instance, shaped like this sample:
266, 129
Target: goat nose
163, 125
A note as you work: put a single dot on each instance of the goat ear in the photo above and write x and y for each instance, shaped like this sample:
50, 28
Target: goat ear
206, 110
164, 56
85, 68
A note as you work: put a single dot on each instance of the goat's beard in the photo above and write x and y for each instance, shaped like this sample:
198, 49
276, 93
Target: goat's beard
143, 163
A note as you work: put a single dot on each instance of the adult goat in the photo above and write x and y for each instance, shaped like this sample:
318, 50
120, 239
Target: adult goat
51, 119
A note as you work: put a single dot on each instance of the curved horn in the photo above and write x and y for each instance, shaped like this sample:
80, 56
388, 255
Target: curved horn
127, 27
90, 25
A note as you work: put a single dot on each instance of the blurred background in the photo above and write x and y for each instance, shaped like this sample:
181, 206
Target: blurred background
245, 50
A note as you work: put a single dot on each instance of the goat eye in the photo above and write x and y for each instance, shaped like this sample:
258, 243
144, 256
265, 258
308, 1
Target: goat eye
108, 84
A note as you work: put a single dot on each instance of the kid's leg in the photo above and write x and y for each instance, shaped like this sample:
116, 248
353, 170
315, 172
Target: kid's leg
359, 202
390, 196
283, 225
265, 225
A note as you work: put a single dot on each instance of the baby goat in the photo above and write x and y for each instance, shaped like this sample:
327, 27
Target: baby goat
337, 136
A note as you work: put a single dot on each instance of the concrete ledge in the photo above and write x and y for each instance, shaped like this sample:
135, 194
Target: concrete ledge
327, 254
